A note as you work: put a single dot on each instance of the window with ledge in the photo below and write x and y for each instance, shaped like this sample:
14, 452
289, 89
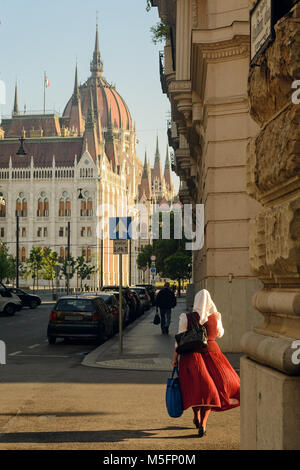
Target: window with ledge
82, 232
64, 205
21, 205
23, 254
2, 232
86, 207
43, 206
2, 206
39, 232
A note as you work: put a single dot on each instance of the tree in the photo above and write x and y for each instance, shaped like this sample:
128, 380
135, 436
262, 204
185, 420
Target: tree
177, 266
83, 269
50, 260
72, 265
7, 263
143, 259
35, 263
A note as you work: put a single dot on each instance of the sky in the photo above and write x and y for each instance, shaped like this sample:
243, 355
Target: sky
37, 36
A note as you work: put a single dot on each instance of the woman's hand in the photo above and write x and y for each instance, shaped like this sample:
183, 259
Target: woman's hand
175, 363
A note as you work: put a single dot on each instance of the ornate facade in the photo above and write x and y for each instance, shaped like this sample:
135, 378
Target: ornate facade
90, 150
270, 369
204, 72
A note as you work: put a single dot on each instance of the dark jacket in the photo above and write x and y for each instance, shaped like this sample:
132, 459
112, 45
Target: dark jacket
165, 299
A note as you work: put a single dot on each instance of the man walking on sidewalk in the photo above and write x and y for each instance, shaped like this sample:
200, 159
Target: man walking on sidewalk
165, 300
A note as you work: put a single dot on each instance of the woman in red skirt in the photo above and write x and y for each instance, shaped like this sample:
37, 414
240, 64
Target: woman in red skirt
207, 380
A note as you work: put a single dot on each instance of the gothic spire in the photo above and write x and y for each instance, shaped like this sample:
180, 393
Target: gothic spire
157, 153
76, 95
16, 107
145, 170
96, 64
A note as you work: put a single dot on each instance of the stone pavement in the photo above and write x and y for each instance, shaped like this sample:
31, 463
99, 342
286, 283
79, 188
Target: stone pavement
144, 347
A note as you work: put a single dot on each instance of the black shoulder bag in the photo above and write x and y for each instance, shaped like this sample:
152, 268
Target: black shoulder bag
190, 340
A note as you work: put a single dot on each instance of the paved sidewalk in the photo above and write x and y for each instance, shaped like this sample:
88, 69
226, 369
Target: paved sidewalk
144, 347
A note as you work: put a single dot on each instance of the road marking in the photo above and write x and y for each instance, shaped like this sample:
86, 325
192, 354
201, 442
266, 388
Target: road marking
33, 346
15, 353
42, 355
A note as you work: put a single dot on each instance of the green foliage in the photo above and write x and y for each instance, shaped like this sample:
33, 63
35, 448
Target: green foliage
35, 262
160, 32
177, 266
83, 269
50, 260
64, 264
148, 5
143, 258
7, 263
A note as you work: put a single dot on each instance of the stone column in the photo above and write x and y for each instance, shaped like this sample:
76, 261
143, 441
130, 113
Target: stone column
270, 369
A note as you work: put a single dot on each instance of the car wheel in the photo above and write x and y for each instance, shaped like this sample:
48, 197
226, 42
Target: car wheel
51, 339
10, 309
33, 304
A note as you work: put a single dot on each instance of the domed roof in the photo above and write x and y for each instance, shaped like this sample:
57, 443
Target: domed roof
106, 100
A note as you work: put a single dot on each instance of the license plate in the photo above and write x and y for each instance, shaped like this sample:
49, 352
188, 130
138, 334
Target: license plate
73, 317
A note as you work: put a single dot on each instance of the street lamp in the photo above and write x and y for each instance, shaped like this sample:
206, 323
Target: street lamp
21, 150
80, 196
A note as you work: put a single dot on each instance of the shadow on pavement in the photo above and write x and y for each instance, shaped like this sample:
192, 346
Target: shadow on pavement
112, 435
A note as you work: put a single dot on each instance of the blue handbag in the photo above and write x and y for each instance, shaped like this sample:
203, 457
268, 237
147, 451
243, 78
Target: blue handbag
173, 396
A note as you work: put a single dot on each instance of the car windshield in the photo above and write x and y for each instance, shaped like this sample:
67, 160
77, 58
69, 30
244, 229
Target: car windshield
74, 305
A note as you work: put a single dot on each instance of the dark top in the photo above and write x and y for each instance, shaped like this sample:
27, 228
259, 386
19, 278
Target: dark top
165, 299
211, 330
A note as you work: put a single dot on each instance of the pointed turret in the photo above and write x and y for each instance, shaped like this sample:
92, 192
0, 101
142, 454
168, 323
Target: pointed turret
90, 134
167, 173
157, 172
76, 120
96, 64
16, 107
145, 186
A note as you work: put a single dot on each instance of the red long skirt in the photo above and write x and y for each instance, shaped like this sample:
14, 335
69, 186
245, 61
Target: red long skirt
207, 379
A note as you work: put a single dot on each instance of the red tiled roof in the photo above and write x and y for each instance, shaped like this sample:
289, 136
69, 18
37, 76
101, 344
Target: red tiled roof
42, 151
49, 123
107, 99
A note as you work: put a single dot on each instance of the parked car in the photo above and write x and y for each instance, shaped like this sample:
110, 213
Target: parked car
151, 291
27, 299
80, 317
9, 302
130, 299
144, 297
125, 306
139, 308
112, 303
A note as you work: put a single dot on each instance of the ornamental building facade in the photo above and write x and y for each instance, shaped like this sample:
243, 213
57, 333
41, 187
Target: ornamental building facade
89, 151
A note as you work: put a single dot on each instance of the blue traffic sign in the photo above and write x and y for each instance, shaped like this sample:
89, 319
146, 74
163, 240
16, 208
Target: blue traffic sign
120, 228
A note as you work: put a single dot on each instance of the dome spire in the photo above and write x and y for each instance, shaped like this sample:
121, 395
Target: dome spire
16, 107
97, 64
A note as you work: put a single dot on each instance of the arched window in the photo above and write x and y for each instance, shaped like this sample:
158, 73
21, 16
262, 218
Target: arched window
86, 206
21, 206
64, 205
23, 255
43, 205
2, 206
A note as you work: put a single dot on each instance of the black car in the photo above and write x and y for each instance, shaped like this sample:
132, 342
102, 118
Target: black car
151, 291
80, 317
27, 299
112, 302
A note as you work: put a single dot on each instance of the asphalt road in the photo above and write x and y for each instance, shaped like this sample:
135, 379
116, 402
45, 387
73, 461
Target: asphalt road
50, 401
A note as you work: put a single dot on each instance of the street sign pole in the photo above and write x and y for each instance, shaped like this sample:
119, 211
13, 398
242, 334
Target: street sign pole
120, 306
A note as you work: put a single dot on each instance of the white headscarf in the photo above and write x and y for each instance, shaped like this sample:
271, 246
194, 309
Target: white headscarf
205, 307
